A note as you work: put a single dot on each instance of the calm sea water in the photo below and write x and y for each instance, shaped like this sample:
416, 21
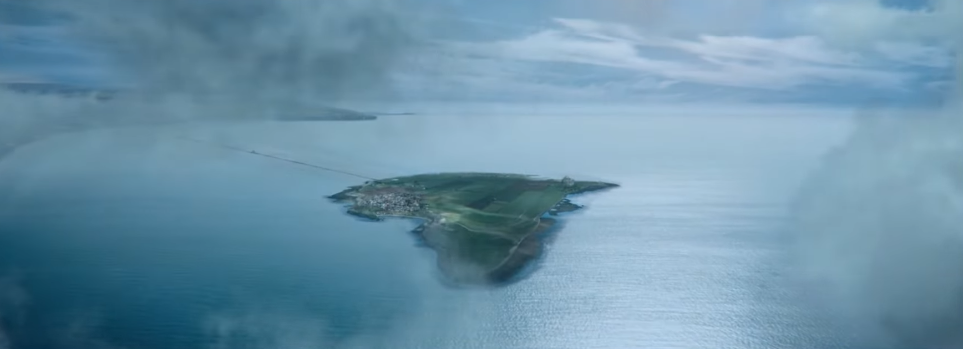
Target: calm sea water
132, 239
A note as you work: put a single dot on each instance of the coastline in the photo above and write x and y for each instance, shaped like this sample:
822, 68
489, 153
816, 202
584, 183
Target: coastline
527, 250
532, 245
456, 254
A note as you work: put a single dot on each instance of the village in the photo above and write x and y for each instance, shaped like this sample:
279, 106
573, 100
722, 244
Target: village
389, 203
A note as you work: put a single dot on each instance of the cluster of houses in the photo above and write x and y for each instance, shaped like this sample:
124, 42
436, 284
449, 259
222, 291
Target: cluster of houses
389, 203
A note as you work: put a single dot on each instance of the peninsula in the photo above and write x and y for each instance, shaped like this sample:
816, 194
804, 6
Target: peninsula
483, 226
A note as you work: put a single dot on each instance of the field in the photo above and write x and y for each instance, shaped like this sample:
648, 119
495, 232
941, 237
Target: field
491, 199
484, 250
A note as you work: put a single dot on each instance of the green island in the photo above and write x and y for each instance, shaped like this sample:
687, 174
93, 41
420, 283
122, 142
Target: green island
483, 226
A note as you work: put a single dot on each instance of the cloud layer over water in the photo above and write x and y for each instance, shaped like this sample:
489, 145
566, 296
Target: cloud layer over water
252, 49
878, 225
207, 60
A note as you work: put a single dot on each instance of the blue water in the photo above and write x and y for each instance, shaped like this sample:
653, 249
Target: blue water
131, 239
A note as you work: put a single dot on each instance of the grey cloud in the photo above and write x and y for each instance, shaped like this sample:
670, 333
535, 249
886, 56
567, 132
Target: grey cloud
958, 86
863, 23
673, 17
83, 331
252, 50
263, 330
4, 341
13, 300
220, 60
23, 13
428, 327
877, 226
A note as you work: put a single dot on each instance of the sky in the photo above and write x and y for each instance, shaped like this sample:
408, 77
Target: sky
849, 52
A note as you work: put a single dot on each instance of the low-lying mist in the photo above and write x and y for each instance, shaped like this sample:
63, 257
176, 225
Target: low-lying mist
249, 51
879, 227
186, 60
208, 60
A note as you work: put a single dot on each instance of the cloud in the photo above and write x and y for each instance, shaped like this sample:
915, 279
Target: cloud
4, 341
13, 299
928, 36
745, 62
807, 49
877, 225
7, 77
24, 14
863, 23
877, 230
266, 330
473, 76
802, 48
429, 324
916, 54
197, 60
83, 330
259, 51
774, 48
675, 17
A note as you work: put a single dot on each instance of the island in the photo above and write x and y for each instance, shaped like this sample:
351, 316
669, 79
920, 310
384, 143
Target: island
484, 227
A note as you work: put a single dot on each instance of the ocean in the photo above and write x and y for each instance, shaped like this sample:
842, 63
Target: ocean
132, 238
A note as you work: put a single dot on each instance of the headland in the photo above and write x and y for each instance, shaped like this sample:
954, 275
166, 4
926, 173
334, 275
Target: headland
483, 226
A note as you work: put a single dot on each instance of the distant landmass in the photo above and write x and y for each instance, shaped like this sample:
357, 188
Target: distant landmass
292, 113
483, 226
63, 90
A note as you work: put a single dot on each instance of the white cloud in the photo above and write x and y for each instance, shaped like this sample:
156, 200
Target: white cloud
915, 54
801, 48
926, 37
475, 77
859, 47
941, 85
823, 43
863, 23
775, 64
667, 84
